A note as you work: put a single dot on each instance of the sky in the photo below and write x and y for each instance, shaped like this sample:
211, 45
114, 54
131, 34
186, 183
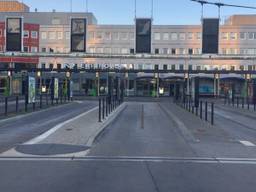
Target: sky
166, 12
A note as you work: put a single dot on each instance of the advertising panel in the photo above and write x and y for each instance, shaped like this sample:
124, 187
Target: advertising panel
31, 89
56, 88
13, 34
143, 35
78, 34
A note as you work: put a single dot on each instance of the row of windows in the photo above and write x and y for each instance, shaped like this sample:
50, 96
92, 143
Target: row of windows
152, 66
177, 36
32, 49
26, 34
236, 36
55, 50
52, 35
111, 36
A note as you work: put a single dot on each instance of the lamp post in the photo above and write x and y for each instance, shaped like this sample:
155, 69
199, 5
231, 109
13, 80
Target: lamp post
127, 83
39, 75
98, 83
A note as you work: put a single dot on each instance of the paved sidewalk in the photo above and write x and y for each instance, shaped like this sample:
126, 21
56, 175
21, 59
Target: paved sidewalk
71, 137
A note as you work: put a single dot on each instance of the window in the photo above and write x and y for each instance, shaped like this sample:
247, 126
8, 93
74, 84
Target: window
242, 35
1, 48
224, 51
243, 51
182, 36
250, 36
132, 51
165, 51
233, 36
124, 36
26, 49
190, 67
33, 49
26, 34
44, 50
174, 36
124, 51
157, 36
99, 35
198, 36
182, 51
173, 67
173, 51
43, 65
107, 36
181, 67
190, 51
166, 36
67, 34
51, 50
131, 36
116, 36
156, 51
1, 33
91, 50
156, 67
43, 35
190, 36
107, 50
59, 35
52, 35
91, 35
58, 66
115, 50
165, 67
51, 66
34, 34
99, 50
224, 36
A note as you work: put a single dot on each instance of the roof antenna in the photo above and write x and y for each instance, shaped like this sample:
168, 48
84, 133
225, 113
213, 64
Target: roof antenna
135, 8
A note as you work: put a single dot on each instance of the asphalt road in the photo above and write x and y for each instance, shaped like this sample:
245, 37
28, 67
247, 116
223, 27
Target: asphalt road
145, 150
21, 129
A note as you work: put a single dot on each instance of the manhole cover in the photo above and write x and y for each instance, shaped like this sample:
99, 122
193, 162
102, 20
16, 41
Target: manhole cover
50, 149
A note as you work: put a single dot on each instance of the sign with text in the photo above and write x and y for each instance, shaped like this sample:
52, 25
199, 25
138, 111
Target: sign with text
14, 34
143, 35
210, 44
78, 35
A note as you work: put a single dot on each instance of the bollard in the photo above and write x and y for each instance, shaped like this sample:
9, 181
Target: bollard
17, 104
248, 103
206, 111
212, 114
237, 102
243, 103
41, 101
47, 103
196, 111
193, 109
34, 106
6, 106
26, 104
201, 110
106, 106
99, 109
103, 110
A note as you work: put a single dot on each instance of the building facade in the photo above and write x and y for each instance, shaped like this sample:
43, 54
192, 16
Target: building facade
13, 6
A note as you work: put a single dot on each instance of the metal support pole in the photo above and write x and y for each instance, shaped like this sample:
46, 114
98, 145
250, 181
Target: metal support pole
99, 109
103, 115
201, 110
34, 106
206, 111
212, 114
17, 104
6, 106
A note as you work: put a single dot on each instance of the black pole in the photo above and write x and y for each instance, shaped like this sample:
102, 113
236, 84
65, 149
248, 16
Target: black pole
41, 101
201, 110
6, 106
103, 115
206, 111
212, 114
17, 104
99, 109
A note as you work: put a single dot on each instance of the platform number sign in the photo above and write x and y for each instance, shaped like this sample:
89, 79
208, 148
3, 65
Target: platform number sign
143, 35
210, 44
78, 35
14, 34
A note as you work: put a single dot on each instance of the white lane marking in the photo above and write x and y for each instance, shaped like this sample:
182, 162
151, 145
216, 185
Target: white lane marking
54, 129
242, 161
247, 143
79, 102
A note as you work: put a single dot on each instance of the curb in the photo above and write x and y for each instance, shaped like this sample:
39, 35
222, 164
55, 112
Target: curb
106, 123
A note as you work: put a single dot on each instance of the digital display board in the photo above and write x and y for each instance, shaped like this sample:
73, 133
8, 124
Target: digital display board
143, 35
78, 34
210, 44
13, 34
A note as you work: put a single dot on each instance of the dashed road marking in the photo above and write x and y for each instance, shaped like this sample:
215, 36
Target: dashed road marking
247, 143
